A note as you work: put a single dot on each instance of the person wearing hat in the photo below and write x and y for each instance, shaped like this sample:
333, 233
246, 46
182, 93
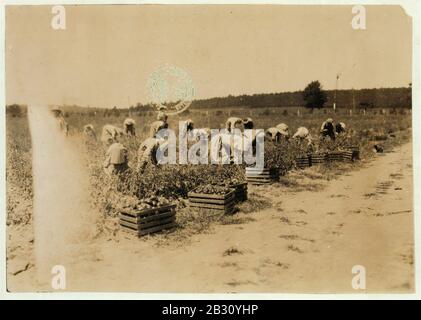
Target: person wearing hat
146, 153
110, 132
221, 148
232, 123
340, 128
302, 134
187, 128
116, 158
162, 116
56, 112
248, 123
273, 134
129, 127
160, 124
283, 130
63, 125
328, 129
89, 131
189, 125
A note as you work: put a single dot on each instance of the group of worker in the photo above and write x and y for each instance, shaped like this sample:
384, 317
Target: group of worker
327, 130
116, 158
281, 131
117, 155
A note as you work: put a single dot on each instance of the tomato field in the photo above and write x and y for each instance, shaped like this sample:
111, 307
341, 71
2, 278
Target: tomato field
173, 182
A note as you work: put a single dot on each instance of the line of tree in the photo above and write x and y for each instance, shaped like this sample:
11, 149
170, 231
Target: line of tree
362, 98
313, 96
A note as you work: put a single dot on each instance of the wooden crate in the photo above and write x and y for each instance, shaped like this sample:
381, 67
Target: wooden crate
259, 177
148, 221
318, 158
347, 156
240, 191
335, 156
223, 203
355, 152
303, 162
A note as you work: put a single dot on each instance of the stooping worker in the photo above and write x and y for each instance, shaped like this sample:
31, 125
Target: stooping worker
283, 130
160, 124
238, 123
116, 158
340, 128
129, 127
220, 148
273, 134
186, 131
110, 132
232, 123
328, 129
302, 134
89, 131
204, 133
63, 125
248, 123
146, 153
246, 126
188, 127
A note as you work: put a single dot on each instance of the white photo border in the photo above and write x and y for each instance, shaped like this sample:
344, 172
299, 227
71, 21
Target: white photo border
412, 8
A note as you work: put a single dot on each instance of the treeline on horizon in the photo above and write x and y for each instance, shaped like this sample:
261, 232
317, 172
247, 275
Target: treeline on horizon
363, 98
360, 99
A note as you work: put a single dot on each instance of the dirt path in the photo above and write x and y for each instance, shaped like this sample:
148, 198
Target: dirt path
307, 242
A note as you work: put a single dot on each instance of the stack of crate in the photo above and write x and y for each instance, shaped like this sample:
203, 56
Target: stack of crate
261, 176
303, 162
351, 154
318, 158
335, 156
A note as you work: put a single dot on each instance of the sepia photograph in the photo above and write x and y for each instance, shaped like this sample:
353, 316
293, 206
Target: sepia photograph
218, 148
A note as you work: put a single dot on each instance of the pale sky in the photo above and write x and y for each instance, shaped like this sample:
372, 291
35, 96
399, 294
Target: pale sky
107, 53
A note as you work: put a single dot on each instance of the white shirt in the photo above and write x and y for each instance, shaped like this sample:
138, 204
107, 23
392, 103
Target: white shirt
116, 154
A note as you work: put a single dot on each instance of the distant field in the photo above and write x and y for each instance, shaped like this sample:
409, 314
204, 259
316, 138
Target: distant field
263, 118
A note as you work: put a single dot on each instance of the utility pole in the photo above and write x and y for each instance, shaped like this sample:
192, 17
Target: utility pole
336, 89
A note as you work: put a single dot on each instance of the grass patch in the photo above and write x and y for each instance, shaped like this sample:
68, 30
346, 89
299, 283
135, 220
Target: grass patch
254, 203
285, 220
226, 220
232, 251
295, 237
291, 247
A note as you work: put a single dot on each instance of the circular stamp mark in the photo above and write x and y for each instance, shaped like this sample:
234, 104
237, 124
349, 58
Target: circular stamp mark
171, 89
